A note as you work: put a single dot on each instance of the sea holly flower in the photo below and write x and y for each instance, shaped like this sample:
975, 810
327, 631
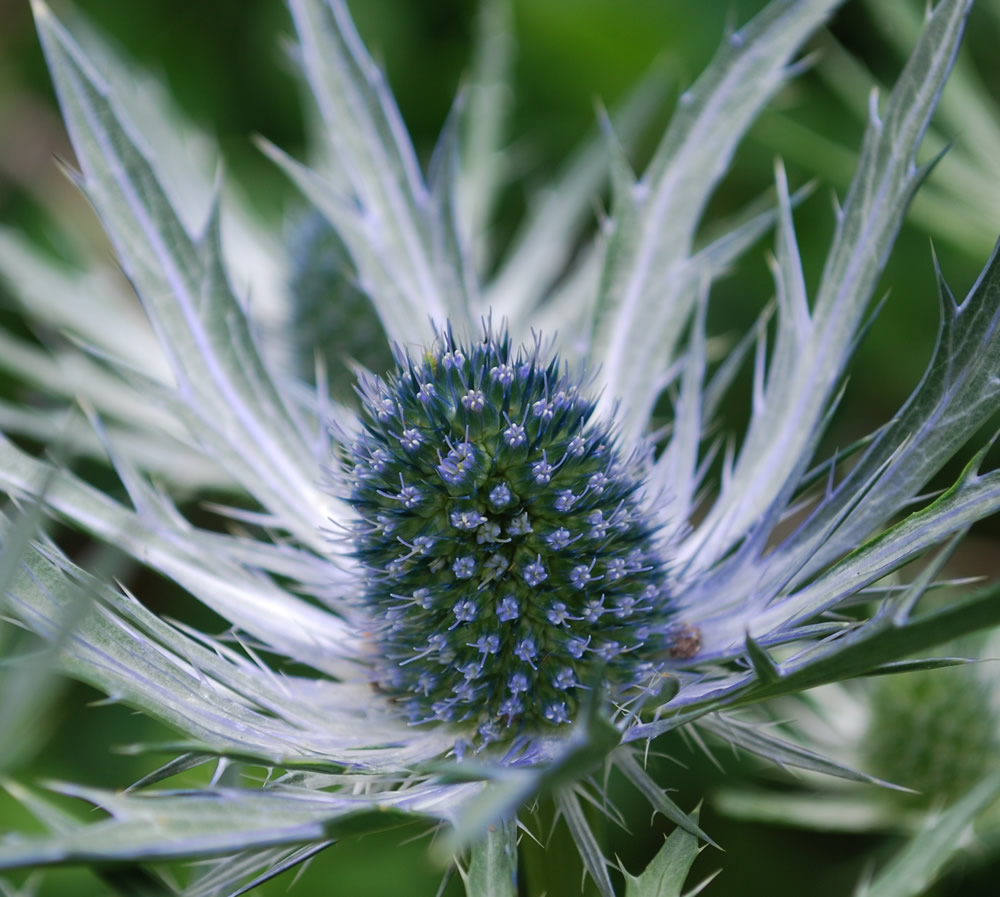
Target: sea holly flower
495, 576
489, 509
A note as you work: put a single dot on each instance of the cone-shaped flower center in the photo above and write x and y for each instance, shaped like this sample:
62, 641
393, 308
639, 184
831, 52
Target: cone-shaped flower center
508, 562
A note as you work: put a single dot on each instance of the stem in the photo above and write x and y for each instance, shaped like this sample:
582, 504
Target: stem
493, 867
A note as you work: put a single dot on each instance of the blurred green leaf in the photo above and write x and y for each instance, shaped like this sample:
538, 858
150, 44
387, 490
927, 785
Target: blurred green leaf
921, 862
850, 813
134, 881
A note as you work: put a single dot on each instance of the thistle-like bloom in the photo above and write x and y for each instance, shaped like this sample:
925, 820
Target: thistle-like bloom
498, 575
504, 546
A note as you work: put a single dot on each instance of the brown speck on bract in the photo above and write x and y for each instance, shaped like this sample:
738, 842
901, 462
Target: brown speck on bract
685, 641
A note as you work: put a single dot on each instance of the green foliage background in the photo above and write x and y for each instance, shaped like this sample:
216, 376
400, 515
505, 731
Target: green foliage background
224, 63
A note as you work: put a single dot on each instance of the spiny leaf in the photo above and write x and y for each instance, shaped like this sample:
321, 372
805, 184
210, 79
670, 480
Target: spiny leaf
957, 395
377, 196
635, 335
668, 870
223, 704
756, 740
186, 294
158, 826
855, 653
230, 874
972, 497
763, 664
809, 358
594, 862
657, 797
483, 168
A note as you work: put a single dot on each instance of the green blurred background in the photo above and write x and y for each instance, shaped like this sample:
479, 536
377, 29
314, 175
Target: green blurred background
225, 63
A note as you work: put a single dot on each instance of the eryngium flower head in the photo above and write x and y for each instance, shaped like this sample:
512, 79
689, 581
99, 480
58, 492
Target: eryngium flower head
958, 706
749, 609
505, 547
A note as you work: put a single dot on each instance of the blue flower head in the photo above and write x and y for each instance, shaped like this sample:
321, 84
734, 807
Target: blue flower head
504, 542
